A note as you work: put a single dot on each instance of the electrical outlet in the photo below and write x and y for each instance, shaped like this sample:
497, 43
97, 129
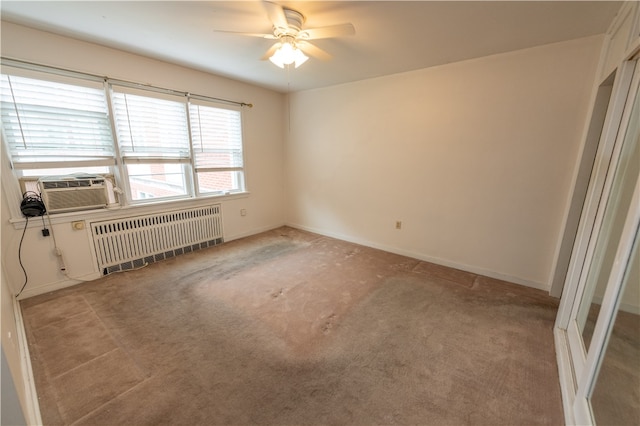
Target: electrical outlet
398, 224
243, 212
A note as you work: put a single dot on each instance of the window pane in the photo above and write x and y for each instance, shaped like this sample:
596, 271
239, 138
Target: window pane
150, 127
217, 137
46, 121
211, 182
156, 181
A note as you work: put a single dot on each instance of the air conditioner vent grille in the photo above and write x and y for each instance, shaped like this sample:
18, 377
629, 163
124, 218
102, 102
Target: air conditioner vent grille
72, 200
53, 184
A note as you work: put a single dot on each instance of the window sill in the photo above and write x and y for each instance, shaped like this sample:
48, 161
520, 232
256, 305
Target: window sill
129, 210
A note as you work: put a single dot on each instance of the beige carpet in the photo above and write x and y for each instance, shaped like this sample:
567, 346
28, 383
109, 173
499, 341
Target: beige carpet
288, 327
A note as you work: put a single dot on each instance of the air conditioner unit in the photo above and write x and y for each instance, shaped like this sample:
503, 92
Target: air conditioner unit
73, 192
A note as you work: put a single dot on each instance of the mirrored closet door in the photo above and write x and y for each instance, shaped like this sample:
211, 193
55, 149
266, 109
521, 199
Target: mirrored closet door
598, 326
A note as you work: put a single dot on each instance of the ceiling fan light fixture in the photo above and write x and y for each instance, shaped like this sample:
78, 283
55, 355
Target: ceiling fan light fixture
300, 58
288, 54
292, 40
277, 58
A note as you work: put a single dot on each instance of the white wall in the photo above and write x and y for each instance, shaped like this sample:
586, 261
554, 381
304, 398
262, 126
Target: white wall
10, 408
10, 346
263, 131
13, 343
475, 158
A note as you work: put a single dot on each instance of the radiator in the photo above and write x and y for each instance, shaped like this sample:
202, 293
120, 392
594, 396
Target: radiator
132, 242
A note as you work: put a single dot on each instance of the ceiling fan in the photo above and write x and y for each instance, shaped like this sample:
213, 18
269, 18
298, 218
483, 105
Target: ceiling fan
292, 40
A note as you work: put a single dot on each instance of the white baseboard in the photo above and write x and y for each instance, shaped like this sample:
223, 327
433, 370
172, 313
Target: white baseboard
625, 307
632, 309
426, 258
48, 287
255, 231
32, 407
31, 291
45, 288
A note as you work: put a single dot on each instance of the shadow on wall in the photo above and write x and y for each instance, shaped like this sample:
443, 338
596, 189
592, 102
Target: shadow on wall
11, 413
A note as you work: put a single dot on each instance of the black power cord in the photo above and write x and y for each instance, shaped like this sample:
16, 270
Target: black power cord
26, 278
31, 206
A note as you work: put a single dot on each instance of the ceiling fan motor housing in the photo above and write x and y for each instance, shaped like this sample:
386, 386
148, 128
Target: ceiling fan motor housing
287, 30
295, 20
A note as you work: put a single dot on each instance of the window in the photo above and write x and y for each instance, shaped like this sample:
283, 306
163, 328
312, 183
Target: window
49, 124
159, 144
217, 148
153, 138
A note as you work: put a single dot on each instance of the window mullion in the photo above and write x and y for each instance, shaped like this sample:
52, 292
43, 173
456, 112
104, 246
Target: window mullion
121, 177
15, 108
192, 181
218, 169
242, 132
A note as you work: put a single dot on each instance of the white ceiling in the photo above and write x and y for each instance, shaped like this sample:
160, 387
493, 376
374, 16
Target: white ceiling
391, 36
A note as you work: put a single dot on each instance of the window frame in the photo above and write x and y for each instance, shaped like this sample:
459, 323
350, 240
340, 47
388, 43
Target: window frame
107, 160
118, 170
127, 159
240, 170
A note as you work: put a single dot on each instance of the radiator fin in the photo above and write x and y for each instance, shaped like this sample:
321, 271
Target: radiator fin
130, 243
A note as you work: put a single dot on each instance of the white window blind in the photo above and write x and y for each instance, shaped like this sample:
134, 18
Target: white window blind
217, 138
48, 122
150, 127
172, 144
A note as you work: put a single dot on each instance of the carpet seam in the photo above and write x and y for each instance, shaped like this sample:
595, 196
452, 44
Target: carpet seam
118, 343
90, 413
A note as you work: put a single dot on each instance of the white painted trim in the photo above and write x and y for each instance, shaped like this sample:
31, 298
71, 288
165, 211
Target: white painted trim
582, 412
134, 210
600, 182
628, 10
228, 238
32, 407
9, 183
573, 207
426, 258
612, 297
46, 288
576, 346
565, 375
71, 281
586, 365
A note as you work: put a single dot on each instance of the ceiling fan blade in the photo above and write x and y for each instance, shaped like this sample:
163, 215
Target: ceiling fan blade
271, 51
261, 35
276, 14
313, 50
327, 32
